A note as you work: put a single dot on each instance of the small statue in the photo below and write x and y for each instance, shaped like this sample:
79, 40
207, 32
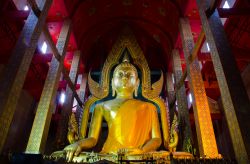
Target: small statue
72, 129
133, 124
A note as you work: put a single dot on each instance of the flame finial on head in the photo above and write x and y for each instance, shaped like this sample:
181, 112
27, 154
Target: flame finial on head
126, 57
126, 63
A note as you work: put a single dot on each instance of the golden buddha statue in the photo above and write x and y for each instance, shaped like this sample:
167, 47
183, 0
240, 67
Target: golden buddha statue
133, 124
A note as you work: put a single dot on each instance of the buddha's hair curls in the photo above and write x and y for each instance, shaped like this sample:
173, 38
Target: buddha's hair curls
126, 64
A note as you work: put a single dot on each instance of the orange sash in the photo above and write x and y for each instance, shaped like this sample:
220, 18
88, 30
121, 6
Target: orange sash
131, 128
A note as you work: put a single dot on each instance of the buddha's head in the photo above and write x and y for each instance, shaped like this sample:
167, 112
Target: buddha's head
125, 80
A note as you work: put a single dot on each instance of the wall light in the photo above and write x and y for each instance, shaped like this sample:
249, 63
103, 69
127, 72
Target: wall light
208, 48
173, 78
44, 47
62, 97
190, 98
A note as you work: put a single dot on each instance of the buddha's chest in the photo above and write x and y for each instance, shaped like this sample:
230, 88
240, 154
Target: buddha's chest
112, 111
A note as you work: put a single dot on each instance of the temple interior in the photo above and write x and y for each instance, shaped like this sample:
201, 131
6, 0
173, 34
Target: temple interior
54, 55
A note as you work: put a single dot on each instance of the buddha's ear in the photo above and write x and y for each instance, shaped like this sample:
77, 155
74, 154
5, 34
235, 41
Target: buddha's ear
137, 87
113, 87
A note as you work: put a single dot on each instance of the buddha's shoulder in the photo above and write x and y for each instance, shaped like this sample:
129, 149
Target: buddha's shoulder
107, 104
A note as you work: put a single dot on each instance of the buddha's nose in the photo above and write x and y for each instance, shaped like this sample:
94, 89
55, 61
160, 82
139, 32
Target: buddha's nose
124, 79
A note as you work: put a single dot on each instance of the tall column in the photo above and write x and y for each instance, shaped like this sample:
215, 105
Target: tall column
171, 96
14, 74
233, 94
82, 91
67, 107
203, 122
40, 128
183, 113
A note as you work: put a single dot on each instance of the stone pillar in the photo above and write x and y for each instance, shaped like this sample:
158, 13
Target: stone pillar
21, 124
82, 91
233, 94
40, 128
203, 122
181, 98
62, 129
171, 96
14, 74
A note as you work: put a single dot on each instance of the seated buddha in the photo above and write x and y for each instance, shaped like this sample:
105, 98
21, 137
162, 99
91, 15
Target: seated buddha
133, 125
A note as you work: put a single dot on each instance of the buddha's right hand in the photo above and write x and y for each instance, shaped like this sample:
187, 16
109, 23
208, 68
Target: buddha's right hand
72, 150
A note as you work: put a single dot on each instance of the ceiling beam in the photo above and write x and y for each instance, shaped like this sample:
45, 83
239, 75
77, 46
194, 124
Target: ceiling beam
239, 53
42, 58
16, 15
178, 7
225, 13
23, 15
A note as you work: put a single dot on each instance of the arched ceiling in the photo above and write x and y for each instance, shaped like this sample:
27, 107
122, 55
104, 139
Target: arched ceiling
97, 23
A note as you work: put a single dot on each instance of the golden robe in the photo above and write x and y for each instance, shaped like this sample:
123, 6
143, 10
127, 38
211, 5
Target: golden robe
131, 127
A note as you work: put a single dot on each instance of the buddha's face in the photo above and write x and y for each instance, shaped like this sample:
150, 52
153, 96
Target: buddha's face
125, 80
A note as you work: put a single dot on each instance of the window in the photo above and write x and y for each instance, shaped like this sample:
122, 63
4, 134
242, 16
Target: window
226, 5
26, 8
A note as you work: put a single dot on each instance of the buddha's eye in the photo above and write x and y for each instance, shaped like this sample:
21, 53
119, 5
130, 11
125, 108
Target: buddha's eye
120, 74
130, 75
